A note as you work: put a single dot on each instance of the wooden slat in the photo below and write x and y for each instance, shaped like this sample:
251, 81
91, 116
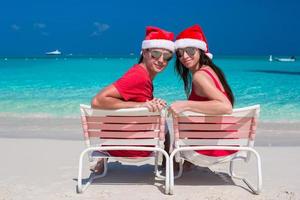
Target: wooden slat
125, 135
201, 134
215, 127
214, 119
123, 127
124, 120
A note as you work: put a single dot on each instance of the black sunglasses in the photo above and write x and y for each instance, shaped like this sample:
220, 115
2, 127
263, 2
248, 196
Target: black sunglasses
190, 51
157, 54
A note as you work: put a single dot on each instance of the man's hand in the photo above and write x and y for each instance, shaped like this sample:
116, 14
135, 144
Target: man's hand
154, 105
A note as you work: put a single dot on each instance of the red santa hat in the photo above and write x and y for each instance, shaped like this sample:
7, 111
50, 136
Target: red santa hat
158, 38
193, 37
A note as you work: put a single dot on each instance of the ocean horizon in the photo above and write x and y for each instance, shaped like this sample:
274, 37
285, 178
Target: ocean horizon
40, 86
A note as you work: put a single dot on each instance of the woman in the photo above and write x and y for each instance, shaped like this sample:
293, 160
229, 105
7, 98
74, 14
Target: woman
135, 88
204, 83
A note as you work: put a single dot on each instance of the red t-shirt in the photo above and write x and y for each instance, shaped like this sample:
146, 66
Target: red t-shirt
134, 85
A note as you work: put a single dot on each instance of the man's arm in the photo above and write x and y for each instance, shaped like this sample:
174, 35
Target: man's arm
110, 98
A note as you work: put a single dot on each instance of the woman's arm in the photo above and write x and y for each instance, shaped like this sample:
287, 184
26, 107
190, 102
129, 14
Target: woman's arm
218, 103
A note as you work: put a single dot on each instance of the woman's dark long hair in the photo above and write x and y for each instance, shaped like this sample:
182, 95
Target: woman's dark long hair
186, 76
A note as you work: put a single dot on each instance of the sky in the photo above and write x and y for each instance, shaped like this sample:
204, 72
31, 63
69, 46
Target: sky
116, 27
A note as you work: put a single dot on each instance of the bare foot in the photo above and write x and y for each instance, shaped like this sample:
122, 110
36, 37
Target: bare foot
99, 167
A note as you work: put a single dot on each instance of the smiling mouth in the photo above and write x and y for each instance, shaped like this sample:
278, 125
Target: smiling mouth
158, 66
187, 61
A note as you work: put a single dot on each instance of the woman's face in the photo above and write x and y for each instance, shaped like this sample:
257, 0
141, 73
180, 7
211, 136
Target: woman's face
156, 59
189, 57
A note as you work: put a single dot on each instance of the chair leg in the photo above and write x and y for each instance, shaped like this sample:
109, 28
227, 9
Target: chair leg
231, 168
80, 187
156, 163
172, 177
258, 188
180, 169
171, 166
167, 176
156, 171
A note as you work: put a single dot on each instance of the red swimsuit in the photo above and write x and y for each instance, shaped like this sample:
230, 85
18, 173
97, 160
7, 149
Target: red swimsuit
194, 97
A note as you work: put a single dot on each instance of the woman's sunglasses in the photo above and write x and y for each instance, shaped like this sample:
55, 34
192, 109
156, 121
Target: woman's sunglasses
190, 51
157, 54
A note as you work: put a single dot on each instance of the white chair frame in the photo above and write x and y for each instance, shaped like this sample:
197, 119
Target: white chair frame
157, 142
244, 145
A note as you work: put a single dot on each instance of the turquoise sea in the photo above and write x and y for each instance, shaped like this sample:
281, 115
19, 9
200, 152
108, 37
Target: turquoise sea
54, 87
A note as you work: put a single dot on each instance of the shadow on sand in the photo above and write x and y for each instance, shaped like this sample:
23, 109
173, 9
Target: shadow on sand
119, 174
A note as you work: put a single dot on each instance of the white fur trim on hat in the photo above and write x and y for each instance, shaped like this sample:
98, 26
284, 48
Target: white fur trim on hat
209, 55
187, 42
165, 44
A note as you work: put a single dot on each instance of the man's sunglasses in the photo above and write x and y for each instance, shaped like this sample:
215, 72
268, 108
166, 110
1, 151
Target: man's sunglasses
157, 54
190, 51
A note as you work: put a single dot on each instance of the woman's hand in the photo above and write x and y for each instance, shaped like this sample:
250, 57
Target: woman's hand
178, 107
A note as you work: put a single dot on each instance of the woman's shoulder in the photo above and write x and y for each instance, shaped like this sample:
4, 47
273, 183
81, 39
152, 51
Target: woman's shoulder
209, 72
200, 78
212, 76
204, 76
204, 71
206, 68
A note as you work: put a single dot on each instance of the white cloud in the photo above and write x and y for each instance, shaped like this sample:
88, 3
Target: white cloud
99, 28
15, 27
39, 25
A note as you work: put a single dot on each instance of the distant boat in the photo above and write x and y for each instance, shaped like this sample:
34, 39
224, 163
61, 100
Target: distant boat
290, 59
56, 52
271, 58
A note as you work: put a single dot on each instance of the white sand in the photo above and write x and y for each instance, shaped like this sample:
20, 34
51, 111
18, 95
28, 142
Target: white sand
39, 160
47, 169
